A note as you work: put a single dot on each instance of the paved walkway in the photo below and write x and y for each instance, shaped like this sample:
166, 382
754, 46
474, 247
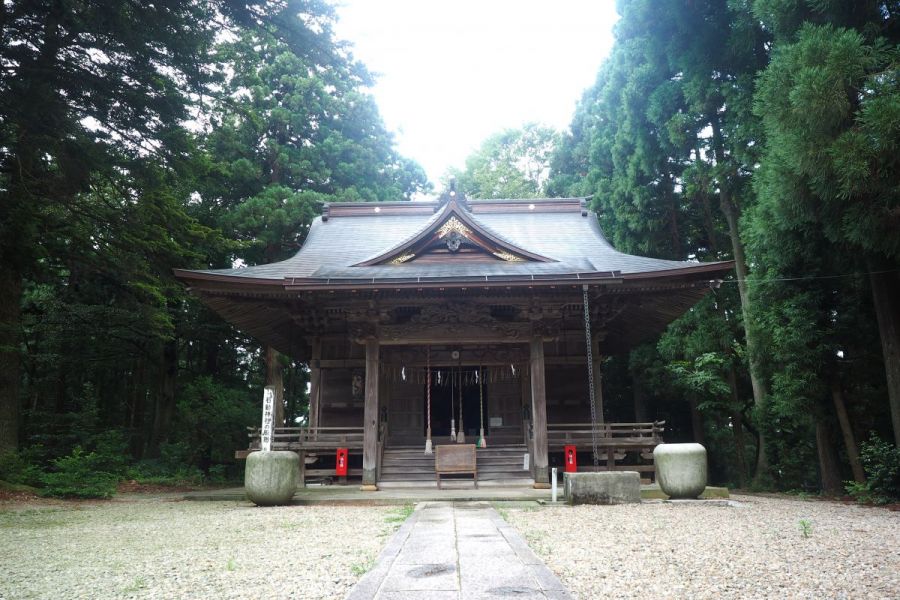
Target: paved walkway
457, 551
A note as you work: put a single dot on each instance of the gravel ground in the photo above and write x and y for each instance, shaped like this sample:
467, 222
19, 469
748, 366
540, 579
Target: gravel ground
755, 549
160, 548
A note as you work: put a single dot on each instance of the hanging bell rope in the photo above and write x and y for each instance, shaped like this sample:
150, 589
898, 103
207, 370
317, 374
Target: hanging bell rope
460, 434
428, 449
482, 442
590, 369
452, 408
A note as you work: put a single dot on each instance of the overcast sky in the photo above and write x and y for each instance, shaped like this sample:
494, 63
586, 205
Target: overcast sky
450, 73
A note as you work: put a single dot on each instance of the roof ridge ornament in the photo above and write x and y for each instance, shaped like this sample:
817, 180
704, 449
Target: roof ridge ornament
454, 232
452, 195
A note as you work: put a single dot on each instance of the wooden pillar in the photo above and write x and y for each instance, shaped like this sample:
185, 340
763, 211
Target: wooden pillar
539, 413
370, 419
315, 384
275, 378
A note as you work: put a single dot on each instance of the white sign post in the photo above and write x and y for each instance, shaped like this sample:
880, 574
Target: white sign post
553, 486
268, 419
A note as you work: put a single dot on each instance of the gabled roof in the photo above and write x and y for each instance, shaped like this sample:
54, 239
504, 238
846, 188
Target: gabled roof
454, 224
548, 240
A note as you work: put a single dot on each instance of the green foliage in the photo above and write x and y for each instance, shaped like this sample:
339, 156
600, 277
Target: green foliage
805, 527
399, 515
881, 461
19, 468
830, 103
514, 163
81, 475
118, 191
175, 466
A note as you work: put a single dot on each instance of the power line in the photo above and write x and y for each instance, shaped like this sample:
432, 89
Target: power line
856, 274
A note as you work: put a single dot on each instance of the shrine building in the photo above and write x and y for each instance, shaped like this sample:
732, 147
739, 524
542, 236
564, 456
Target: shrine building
458, 321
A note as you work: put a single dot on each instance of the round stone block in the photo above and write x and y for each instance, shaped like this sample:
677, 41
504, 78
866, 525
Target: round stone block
680, 469
270, 478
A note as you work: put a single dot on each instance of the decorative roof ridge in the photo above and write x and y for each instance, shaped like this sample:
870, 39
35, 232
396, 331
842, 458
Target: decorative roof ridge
421, 207
350, 204
453, 209
526, 200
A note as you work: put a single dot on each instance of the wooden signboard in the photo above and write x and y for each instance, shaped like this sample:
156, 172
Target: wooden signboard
455, 459
268, 419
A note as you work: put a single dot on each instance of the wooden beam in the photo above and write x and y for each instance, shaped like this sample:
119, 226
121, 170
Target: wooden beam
342, 363
458, 333
539, 413
370, 418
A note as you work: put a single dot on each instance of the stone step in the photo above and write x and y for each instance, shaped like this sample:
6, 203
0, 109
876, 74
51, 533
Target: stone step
479, 453
479, 457
497, 465
456, 484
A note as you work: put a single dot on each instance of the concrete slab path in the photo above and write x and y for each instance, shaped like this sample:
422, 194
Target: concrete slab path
461, 550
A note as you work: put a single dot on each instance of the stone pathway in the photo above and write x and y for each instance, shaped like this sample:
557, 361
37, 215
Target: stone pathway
457, 551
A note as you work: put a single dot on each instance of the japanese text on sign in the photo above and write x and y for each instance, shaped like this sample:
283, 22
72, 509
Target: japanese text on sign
268, 420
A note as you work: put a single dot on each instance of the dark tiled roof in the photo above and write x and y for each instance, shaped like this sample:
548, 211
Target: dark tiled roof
560, 230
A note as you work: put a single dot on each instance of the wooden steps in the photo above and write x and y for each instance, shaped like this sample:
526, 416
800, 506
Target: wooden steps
409, 466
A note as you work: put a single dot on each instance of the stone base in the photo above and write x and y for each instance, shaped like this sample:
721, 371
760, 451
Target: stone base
368, 487
652, 492
613, 487
540, 485
270, 478
680, 469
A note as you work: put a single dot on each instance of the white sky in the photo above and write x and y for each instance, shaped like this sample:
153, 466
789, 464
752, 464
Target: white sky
451, 73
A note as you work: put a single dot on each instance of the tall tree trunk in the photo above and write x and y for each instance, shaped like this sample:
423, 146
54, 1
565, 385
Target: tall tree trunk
640, 399
737, 427
10, 358
732, 213
696, 421
886, 295
136, 416
828, 460
165, 398
760, 392
275, 378
840, 407
25, 180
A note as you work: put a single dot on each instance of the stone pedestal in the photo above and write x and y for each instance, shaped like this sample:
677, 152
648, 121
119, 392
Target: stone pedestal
680, 469
270, 478
612, 487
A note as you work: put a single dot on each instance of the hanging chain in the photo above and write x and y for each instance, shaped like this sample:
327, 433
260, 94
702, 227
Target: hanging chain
590, 368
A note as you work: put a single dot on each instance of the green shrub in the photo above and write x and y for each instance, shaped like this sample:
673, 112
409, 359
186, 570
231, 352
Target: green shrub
881, 462
111, 449
218, 474
19, 468
80, 475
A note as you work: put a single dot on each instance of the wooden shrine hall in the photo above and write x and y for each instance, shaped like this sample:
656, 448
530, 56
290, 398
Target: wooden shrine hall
458, 321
